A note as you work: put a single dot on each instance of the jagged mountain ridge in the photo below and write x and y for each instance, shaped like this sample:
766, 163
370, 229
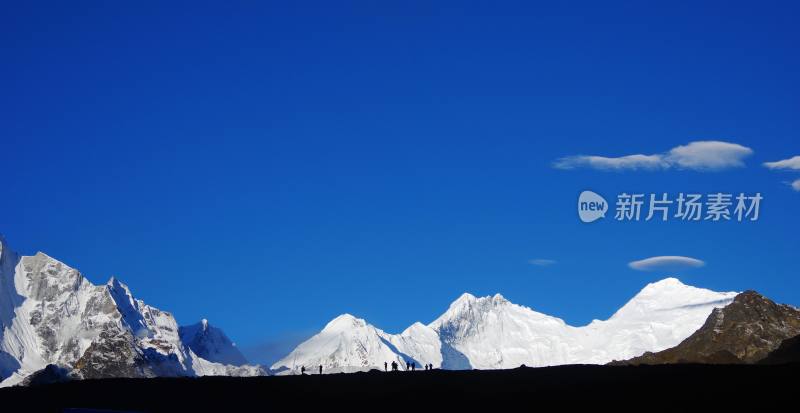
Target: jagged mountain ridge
748, 330
51, 315
491, 333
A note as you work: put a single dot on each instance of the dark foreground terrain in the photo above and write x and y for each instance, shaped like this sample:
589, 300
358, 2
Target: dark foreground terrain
632, 388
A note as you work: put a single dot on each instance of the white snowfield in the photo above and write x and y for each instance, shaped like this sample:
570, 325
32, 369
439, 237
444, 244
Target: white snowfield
50, 314
493, 333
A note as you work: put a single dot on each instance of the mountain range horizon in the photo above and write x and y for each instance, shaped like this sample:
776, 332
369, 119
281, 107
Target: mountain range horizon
51, 315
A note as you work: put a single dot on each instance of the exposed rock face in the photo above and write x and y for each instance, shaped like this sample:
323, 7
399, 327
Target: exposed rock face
115, 354
745, 331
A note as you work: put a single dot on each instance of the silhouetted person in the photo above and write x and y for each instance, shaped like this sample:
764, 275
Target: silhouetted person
413, 366
320, 369
408, 366
385, 366
303, 370
394, 366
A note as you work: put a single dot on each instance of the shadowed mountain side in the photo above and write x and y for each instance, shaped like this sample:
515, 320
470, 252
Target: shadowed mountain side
453, 359
787, 352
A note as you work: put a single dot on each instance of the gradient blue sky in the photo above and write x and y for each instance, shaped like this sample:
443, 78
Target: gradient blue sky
269, 168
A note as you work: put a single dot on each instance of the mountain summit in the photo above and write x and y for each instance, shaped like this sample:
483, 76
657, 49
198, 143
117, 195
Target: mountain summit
211, 343
346, 344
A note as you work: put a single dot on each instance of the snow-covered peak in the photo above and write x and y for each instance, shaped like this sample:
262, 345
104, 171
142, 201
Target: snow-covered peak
44, 278
464, 299
499, 299
345, 322
467, 301
660, 316
117, 287
211, 344
492, 332
345, 344
661, 285
468, 308
416, 328
668, 294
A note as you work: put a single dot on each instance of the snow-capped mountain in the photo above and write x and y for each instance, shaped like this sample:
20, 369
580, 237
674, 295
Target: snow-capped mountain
50, 314
346, 344
211, 344
493, 333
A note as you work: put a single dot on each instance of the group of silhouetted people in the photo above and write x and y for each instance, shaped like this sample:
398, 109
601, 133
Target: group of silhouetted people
303, 369
410, 366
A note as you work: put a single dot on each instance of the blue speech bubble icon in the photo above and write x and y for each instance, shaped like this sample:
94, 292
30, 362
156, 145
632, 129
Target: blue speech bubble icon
591, 206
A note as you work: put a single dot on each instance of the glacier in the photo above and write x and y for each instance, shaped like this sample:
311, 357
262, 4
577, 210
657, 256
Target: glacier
494, 333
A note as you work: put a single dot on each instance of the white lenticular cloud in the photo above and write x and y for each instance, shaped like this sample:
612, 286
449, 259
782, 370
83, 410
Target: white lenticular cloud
711, 155
666, 262
698, 156
796, 185
792, 163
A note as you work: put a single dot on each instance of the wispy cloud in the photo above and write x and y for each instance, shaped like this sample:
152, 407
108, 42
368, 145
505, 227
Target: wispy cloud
541, 262
792, 163
698, 156
666, 262
605, 163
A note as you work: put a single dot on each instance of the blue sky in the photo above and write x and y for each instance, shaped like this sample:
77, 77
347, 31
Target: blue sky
269, 168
